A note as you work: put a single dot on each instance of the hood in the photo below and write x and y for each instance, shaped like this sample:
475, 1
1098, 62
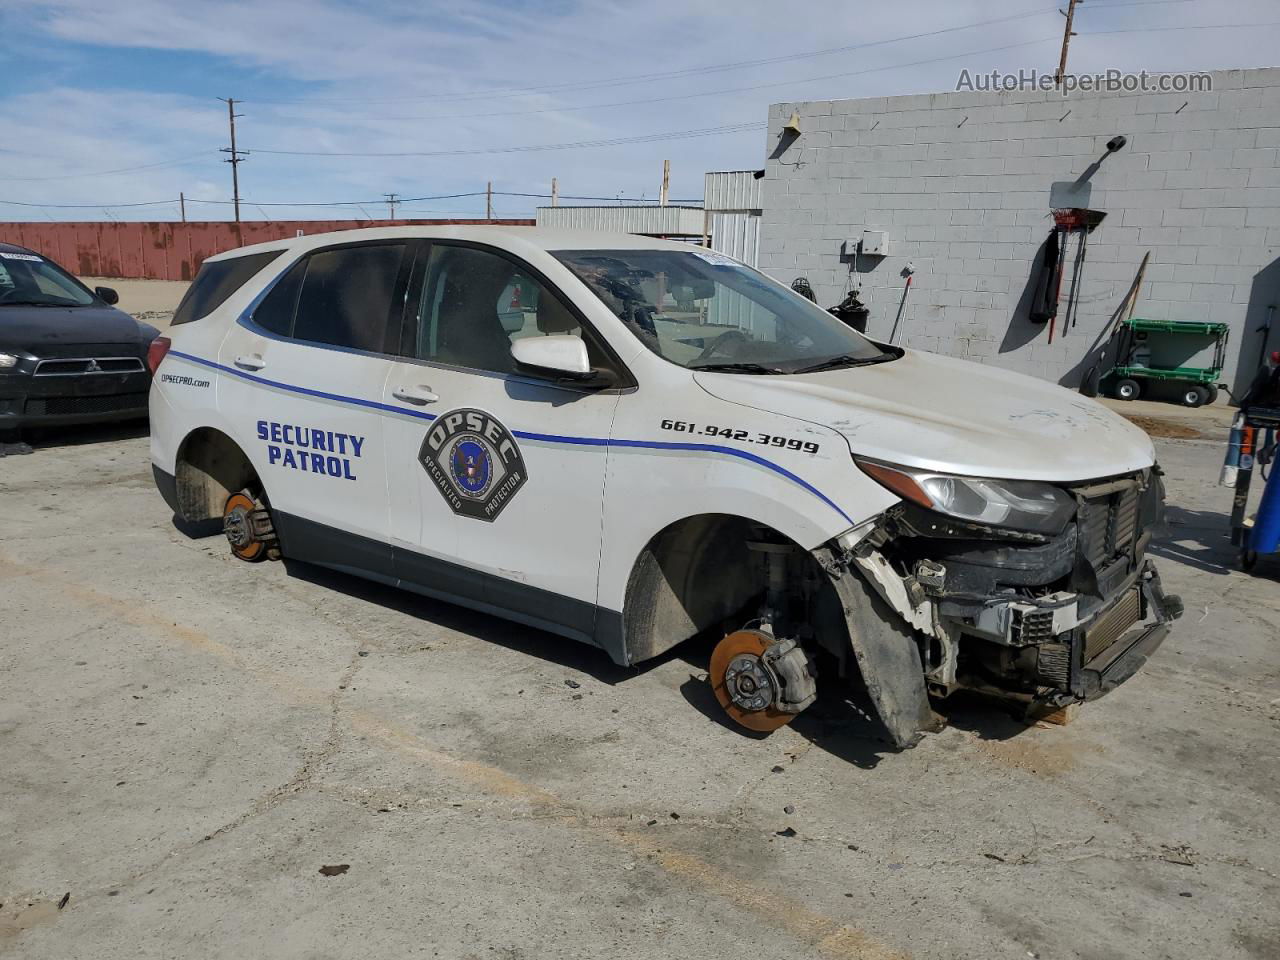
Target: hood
40, 330
953, 416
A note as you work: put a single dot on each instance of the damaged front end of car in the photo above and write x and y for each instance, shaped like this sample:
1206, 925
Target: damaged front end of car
1039, 593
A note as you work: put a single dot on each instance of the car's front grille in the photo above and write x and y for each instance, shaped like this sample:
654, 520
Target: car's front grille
80, 366
1108, 521
86, 406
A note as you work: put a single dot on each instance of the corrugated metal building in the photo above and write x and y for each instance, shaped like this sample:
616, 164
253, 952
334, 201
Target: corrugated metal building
733, 204
650, 220
728, 221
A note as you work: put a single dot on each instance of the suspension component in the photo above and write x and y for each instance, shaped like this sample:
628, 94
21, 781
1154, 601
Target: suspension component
248, 528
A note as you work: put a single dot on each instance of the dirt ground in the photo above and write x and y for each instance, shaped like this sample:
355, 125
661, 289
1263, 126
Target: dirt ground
151, 300
204, 758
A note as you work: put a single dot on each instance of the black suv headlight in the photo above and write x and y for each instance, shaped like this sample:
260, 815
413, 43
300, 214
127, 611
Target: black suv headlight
1013, 504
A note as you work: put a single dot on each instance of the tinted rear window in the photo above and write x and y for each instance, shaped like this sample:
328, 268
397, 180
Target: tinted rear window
346, 296
275, 312
217, 281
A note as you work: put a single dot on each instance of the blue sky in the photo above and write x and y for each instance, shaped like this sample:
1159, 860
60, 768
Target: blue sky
87, 88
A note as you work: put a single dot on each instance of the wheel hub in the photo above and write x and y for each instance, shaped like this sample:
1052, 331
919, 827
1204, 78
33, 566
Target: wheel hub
248, 528
236, 526
748, 683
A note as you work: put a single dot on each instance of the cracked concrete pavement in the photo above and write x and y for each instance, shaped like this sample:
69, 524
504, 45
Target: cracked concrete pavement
186, 740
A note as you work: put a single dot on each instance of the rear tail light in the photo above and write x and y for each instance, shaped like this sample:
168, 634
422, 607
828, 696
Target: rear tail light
156, 352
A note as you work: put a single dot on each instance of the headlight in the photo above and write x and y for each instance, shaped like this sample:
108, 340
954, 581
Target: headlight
8, 360
1016, 504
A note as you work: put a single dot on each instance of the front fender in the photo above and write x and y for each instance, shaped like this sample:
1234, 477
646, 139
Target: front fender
886, 651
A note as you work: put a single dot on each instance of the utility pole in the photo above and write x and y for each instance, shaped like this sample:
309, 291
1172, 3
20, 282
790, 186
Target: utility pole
236, 155
182, 205
488, 201
555, 193
1067, 34
666, 179
391, 202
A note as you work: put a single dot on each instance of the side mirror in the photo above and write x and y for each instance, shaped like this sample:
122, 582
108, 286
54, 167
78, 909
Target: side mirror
107, 294
562, 354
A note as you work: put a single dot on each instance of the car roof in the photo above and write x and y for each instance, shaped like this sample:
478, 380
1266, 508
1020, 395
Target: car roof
14, 248
508, 237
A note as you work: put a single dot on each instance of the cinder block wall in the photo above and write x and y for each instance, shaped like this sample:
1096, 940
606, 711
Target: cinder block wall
961, 181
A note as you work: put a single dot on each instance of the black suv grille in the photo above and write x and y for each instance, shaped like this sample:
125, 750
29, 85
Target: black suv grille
77, 366
86, 406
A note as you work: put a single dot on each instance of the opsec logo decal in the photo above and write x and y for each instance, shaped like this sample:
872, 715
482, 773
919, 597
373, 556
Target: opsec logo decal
474, 462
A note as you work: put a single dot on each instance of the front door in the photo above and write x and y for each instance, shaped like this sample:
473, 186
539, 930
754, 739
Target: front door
497, 476
307, 369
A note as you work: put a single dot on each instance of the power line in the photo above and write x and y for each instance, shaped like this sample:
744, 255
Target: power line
528, 148
502, 93
91, 206
108, 173
339, 203
724, 90
1198, 26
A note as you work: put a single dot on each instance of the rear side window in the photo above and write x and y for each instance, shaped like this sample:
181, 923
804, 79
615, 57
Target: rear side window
347, 295
276, 311
216, 281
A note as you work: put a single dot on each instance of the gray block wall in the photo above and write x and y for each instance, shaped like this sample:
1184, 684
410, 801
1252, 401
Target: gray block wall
961, 181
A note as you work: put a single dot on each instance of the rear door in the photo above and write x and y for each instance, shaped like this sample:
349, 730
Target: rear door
308, 364
496, 475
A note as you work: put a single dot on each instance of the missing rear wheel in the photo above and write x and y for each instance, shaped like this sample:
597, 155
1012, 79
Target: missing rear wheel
246, 522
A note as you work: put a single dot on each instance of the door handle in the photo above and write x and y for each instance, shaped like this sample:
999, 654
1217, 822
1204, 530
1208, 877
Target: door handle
252, 362
420, 394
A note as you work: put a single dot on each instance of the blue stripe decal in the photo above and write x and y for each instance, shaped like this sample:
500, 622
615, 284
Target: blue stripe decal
371, 404
527, 435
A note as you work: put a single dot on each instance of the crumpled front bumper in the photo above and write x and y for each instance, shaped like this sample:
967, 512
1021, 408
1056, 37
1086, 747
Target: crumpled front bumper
1126, 655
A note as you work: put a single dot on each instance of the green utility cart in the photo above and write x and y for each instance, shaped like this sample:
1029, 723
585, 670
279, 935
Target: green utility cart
1162, 350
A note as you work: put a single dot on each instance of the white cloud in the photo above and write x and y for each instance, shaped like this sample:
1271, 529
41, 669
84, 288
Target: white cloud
400, 75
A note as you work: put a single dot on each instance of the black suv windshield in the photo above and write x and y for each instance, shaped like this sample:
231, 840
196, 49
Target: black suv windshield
705, 311
27, 279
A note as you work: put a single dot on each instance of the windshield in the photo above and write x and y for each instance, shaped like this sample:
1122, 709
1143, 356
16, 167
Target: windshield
706, 311
27, 279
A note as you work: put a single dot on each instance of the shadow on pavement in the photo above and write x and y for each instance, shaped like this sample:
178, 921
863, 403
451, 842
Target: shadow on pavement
1201, 539
514, 636
47, 438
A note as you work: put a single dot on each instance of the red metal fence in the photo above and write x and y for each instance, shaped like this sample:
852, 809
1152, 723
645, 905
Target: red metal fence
171, 251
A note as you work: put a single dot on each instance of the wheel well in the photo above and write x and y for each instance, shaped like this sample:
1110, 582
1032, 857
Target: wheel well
698, 574
210, 467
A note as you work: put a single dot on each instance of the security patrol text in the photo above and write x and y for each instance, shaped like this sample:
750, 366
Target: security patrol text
310, 449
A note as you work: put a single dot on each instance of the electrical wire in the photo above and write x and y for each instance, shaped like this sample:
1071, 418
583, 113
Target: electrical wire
527, 148
90, 206
108, 173
345, 203
724, 90
1197, 26
502, 93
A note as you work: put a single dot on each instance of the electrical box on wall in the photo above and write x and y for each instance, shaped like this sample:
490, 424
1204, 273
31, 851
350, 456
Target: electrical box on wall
875, 243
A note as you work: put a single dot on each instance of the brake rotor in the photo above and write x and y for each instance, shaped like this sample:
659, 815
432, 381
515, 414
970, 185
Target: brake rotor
248, 528
745, 688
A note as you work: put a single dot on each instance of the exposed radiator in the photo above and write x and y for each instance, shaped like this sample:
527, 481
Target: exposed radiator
1109, 627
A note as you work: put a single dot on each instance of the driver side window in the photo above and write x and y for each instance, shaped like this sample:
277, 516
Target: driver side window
475, 304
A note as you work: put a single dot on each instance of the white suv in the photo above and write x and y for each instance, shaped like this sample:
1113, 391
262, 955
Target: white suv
630, 442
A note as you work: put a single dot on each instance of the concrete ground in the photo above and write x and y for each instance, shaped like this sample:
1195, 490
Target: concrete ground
203, 758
